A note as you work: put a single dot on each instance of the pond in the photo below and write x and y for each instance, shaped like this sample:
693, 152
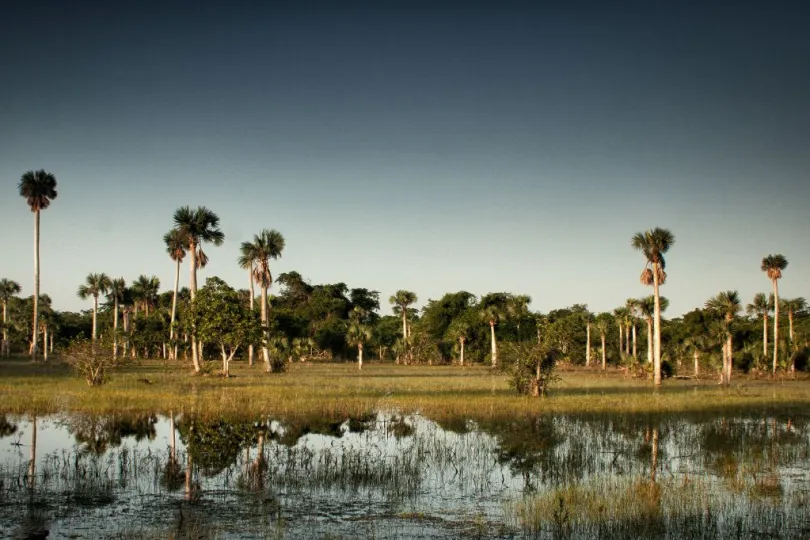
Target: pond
174, 475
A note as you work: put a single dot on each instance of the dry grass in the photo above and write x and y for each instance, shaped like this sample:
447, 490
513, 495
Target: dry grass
338, 389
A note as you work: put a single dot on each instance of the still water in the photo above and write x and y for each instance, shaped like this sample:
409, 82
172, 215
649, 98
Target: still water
172, 475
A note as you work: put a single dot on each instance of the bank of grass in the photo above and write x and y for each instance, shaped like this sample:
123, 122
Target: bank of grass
340, 390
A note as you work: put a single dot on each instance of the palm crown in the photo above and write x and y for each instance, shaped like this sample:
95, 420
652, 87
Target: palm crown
94, 285
726, 303
266, 245
198, 226
761, 306
38, 188
646, 306
402, 299
117, 289
8, 288
176, 245
654, 244
773, 265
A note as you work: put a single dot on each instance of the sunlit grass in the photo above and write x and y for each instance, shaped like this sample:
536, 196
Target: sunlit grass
339, 389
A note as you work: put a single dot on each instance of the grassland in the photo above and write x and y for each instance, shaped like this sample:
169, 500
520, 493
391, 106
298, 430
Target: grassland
338, 389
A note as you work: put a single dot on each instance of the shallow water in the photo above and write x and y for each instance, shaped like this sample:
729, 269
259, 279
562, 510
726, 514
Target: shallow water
385, 476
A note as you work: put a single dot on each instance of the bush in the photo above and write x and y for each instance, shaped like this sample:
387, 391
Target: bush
92, 360
531, 366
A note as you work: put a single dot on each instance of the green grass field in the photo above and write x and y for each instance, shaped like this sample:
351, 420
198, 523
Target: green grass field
339, 390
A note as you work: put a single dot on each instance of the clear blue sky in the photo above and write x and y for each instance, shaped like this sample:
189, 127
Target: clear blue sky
434, 147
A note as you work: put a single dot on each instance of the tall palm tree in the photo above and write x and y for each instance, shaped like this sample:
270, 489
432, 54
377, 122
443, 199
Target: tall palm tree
116, 294
602, 326
145, 289
653, 244
773, 265
198, 227
39, 189
8, 288
268, 244
402, 299
793, 306
176, 248
356, 336
726, 304
761, 307
458, 331
646, 308
94, 285
632, 309
492, 314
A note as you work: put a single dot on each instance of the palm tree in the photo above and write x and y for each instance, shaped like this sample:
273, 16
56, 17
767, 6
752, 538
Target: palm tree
176, 248
492, 314
145, 290
8, 288
726, 304
620, 314
94, 285
632, 310
458, 331
588, 316
198, 227
39, 189
116, 294
356, 336
517, 308
773, 265
602, 326
246, 262
654, 244
793, 306
646, 308
266, 245
402, 299
761, 307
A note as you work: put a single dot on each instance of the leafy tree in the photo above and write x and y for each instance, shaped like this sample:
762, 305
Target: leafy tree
94, 285
531, 366
39, 189
773, 265
92, 360
8, 289
197, 227
727, 305
266, 245
653, 244
221, 317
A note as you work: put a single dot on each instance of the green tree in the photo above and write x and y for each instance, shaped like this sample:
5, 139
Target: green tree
176, 248
727, 305
39, 189
653, 244
115, 294
94, 285
199, 226
266, 245
220, 317
773, 265
402, 299
8, 289
761, 307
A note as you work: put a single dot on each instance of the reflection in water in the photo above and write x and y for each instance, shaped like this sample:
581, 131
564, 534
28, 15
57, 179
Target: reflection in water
389, 475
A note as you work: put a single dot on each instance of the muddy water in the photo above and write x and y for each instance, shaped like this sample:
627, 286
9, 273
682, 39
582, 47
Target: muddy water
386, 476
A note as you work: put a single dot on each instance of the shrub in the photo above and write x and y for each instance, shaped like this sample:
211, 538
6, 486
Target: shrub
531, 366
92, 360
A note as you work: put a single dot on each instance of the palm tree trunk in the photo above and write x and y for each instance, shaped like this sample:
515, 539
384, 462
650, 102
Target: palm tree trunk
728, 363
192, 249
51, 343
225, 372
649, 341
627, 340
404, 323
621, 337
172, 333
461, 342
360, 356
654, 448
765, 335
657, 328
494, 344
790, 322
6, 349
265, 333
126, 331
604, 358
588, 344
775, 325
697, 367
45, 343
35, 327
95, 314
115, 327
634, 342
252, 294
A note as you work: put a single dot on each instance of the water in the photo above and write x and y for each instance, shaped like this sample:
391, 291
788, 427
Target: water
387, 476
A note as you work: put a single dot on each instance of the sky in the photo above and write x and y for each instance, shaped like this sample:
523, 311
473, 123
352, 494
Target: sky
428, 146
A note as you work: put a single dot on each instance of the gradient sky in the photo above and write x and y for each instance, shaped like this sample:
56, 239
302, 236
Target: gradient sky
428, 146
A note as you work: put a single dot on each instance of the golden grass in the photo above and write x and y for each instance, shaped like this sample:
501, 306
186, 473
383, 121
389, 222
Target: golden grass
338, 389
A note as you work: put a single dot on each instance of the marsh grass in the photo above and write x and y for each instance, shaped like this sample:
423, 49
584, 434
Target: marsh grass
340, 390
